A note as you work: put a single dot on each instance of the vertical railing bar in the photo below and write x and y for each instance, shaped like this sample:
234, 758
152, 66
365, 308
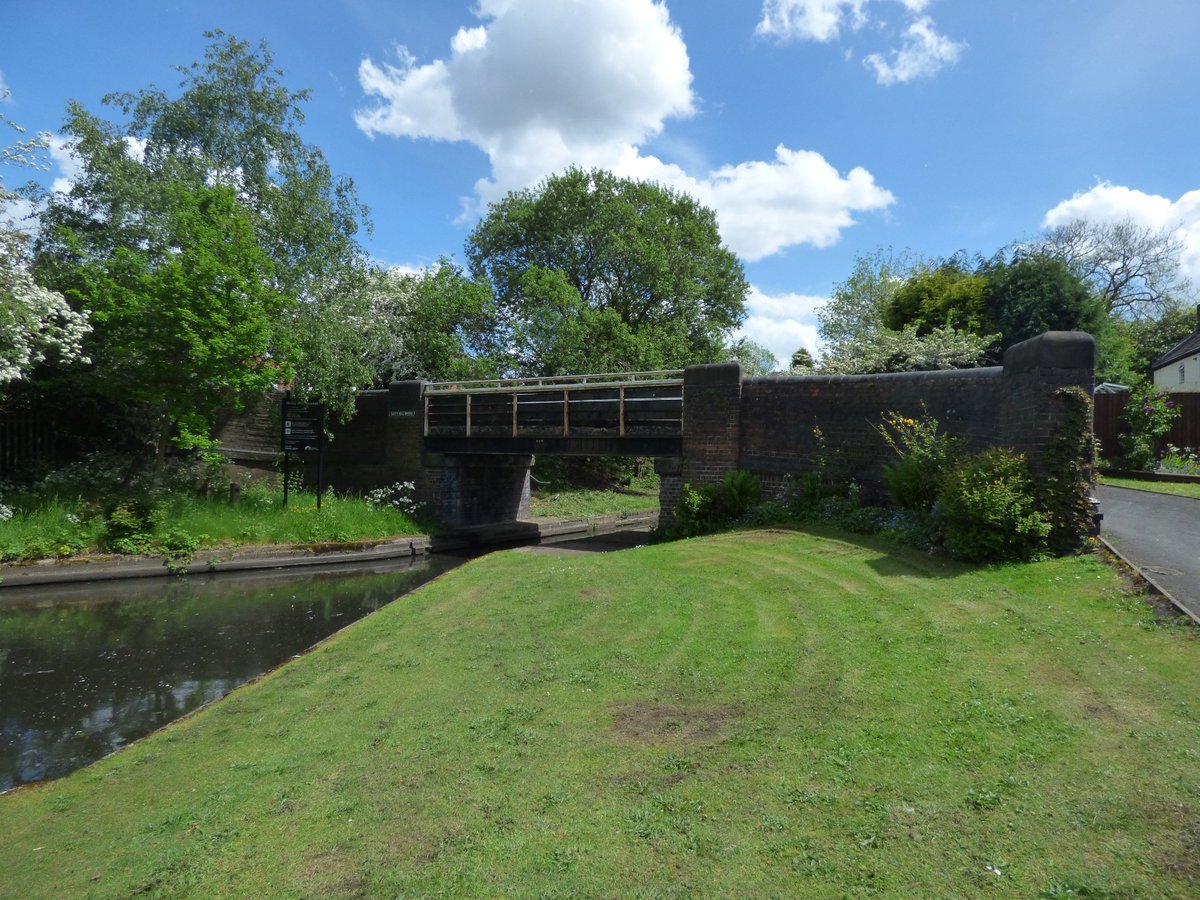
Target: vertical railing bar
566, 413
621, 413
468, 415
514, 403
426, 415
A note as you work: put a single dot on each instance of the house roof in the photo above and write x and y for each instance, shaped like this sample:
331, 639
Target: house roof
1189, 346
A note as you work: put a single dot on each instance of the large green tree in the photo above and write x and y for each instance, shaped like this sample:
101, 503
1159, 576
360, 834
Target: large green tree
182, 322
642, 266
855, 329
446, 322
945, 294
1029, 294
215, 246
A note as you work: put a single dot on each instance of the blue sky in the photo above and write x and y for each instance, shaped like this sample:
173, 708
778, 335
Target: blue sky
817, 129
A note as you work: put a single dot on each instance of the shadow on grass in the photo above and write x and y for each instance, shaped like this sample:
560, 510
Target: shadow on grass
895, 558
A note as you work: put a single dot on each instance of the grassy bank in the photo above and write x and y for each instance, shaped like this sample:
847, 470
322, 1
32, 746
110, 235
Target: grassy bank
766, 713
569, 502
57, 527
1162, 487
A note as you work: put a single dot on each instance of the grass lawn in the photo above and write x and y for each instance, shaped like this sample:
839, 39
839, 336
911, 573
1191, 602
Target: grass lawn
766, 713
560, 502
1163, 487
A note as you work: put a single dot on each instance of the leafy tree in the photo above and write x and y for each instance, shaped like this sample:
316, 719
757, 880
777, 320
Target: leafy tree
1125, 348
802, 362
446, 321
183, 321
229, 142
645, 262
35, 323
755, 359
1134, 269
854, 324
1028, 295
236, 123
946, 294
855, 311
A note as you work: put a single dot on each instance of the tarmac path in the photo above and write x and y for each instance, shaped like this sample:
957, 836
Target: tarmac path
1160, 535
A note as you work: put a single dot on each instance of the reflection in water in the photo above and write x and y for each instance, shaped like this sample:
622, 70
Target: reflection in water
85, 669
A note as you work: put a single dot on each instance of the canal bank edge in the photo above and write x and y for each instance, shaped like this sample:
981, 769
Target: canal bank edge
239, 559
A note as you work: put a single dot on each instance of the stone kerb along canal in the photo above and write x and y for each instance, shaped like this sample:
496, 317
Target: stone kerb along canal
87, 668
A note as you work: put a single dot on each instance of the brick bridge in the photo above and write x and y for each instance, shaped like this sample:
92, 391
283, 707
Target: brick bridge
468, 446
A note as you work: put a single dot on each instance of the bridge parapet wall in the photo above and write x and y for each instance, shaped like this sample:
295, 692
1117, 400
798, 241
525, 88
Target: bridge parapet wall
789, 425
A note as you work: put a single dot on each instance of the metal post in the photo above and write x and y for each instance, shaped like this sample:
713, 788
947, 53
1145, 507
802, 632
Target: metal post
320, 472
514, 403
566, 413
468, 415
283, 444
621, 411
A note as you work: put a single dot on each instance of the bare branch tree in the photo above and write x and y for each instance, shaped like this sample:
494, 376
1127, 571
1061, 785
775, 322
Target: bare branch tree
1133, 268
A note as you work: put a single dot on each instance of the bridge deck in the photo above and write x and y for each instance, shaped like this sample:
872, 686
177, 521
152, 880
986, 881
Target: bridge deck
638, 413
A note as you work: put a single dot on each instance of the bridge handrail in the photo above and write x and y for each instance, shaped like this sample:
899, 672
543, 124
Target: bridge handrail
661, 378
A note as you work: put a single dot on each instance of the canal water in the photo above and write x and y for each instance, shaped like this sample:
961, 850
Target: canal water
86, 669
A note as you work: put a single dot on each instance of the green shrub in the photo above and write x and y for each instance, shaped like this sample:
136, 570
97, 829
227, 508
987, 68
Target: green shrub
989, 510
1150, 415
712, 507
924, 454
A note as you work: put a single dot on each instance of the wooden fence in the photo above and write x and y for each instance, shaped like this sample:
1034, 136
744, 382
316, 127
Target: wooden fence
1108, 425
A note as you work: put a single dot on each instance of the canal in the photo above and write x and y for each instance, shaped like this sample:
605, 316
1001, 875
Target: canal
87, 668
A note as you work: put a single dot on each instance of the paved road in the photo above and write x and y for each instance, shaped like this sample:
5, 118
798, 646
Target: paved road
1160, 534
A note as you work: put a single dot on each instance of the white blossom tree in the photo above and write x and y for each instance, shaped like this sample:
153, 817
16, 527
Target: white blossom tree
35, 323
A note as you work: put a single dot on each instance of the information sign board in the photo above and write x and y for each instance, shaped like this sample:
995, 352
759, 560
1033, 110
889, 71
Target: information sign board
303, 426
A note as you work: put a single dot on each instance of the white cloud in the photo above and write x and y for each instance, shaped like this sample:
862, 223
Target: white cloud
1112, 204
62, 157
547, 84
783, 323
5, 93
812, 20
543, 85
924, 53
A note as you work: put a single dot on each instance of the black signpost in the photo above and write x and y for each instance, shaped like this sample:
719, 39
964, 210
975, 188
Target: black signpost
303, 430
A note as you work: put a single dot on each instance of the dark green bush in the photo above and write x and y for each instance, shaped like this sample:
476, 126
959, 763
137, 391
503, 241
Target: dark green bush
988, 506
925, 453
712, 507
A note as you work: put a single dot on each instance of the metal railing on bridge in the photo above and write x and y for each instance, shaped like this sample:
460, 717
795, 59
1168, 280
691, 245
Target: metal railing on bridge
606, 405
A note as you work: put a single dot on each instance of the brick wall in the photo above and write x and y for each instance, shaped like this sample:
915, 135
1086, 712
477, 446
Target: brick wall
712, 403
780, 418
776, 431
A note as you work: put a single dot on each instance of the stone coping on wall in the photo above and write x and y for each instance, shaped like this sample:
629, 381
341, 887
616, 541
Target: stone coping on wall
979, 372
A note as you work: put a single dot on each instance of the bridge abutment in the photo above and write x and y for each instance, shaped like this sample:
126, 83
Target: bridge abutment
457, 489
